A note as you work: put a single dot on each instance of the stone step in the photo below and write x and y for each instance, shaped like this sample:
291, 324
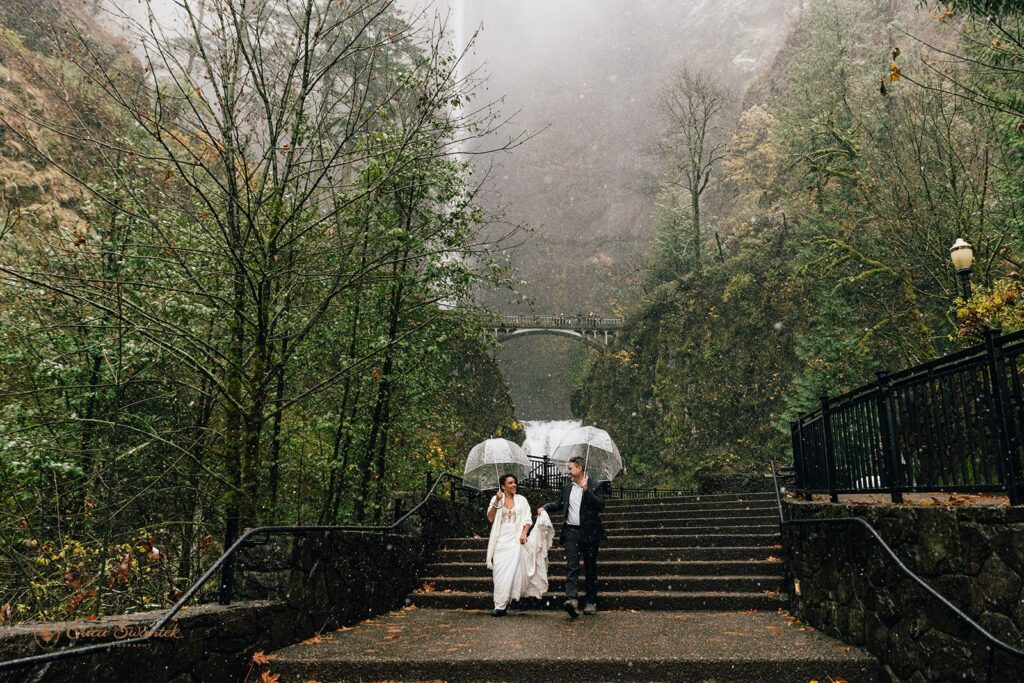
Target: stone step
679, 506
435, 644
613, 501
668, 529
708, 517
606, 554
649, 540
613, 584
614, 600
556, 568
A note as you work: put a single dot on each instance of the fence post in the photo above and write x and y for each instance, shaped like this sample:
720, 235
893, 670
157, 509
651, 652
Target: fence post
826, 425
1001, 398
890, 454
798, 458
227, 570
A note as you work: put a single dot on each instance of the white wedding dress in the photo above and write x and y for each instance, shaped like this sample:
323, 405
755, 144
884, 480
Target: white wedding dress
521, 570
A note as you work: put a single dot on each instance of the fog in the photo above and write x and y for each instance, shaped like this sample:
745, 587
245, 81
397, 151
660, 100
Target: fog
582, 76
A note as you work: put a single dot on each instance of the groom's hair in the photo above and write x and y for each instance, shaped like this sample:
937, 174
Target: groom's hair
579, 461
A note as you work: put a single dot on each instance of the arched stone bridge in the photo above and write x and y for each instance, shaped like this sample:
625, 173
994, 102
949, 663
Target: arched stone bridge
587, 328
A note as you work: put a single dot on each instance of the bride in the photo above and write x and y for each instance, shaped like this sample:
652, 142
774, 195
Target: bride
518, 559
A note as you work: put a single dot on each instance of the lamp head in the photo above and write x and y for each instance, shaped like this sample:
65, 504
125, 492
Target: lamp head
962, 255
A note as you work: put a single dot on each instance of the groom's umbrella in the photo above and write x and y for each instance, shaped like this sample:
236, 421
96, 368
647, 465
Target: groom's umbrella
490, 459
600, 454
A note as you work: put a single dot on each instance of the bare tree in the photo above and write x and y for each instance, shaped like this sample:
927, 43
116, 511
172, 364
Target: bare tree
250, 149
694, 108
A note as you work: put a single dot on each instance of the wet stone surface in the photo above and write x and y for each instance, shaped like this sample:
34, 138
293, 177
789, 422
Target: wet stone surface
613, 645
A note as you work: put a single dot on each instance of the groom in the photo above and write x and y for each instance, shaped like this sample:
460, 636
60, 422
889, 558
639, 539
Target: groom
582, 531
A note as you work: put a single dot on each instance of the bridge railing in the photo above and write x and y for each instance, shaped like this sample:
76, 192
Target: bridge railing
575, 322
954, 424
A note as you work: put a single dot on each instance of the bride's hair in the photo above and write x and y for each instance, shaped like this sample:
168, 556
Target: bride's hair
503, 478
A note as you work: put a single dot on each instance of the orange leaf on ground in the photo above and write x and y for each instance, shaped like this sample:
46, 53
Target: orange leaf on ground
268, 677
314, 640
259, 657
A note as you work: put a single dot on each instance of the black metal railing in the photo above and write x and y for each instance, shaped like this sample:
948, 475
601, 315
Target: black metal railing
225, 566
955, 424
993, 643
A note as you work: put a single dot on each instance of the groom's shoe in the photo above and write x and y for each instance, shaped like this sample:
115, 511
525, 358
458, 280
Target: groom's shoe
498, 613
572, 608
590, 608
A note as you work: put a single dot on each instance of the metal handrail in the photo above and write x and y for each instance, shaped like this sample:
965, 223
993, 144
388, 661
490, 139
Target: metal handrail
231, 550
992, 640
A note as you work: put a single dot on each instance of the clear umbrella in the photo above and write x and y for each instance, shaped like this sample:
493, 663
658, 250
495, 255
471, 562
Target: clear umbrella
490, 459
601, 457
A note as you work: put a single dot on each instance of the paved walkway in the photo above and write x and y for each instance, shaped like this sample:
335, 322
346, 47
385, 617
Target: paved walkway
434, 644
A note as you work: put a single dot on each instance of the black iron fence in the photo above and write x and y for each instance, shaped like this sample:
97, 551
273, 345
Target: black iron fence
547, 474
955, 424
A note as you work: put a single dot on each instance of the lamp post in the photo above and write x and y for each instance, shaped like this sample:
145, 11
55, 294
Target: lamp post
962, 255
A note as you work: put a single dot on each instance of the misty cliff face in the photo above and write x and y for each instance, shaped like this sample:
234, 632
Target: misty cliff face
584, 75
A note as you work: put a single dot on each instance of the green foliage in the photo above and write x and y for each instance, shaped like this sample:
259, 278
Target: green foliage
838, 207
259, 306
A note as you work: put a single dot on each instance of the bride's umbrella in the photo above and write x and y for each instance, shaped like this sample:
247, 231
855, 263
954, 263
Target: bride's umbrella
490, 459
600, 454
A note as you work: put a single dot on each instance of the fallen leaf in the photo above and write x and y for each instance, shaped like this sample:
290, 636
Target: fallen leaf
314, 640
268, 677
260, 658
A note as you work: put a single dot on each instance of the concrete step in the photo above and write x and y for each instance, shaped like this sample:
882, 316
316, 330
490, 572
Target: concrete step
628, 567
613, 600
435, 644
649, 540
612, 584
605, 554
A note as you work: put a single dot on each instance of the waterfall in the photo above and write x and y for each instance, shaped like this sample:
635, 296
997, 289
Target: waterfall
542, 436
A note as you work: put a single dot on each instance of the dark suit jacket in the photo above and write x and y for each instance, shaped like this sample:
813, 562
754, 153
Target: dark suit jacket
590, 505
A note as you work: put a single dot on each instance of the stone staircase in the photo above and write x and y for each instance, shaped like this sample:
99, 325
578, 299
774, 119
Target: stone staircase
689, 553
689, 591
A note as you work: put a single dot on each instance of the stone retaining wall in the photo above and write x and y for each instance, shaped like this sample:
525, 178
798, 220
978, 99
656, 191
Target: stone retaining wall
850, 588
305, 586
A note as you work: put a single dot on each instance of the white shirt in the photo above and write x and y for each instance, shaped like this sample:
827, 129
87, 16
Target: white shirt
572, 517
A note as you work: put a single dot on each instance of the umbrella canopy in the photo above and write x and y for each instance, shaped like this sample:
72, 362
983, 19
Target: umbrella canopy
599, 452
490, 459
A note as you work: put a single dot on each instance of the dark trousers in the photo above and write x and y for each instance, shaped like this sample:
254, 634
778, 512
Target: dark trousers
578, 545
